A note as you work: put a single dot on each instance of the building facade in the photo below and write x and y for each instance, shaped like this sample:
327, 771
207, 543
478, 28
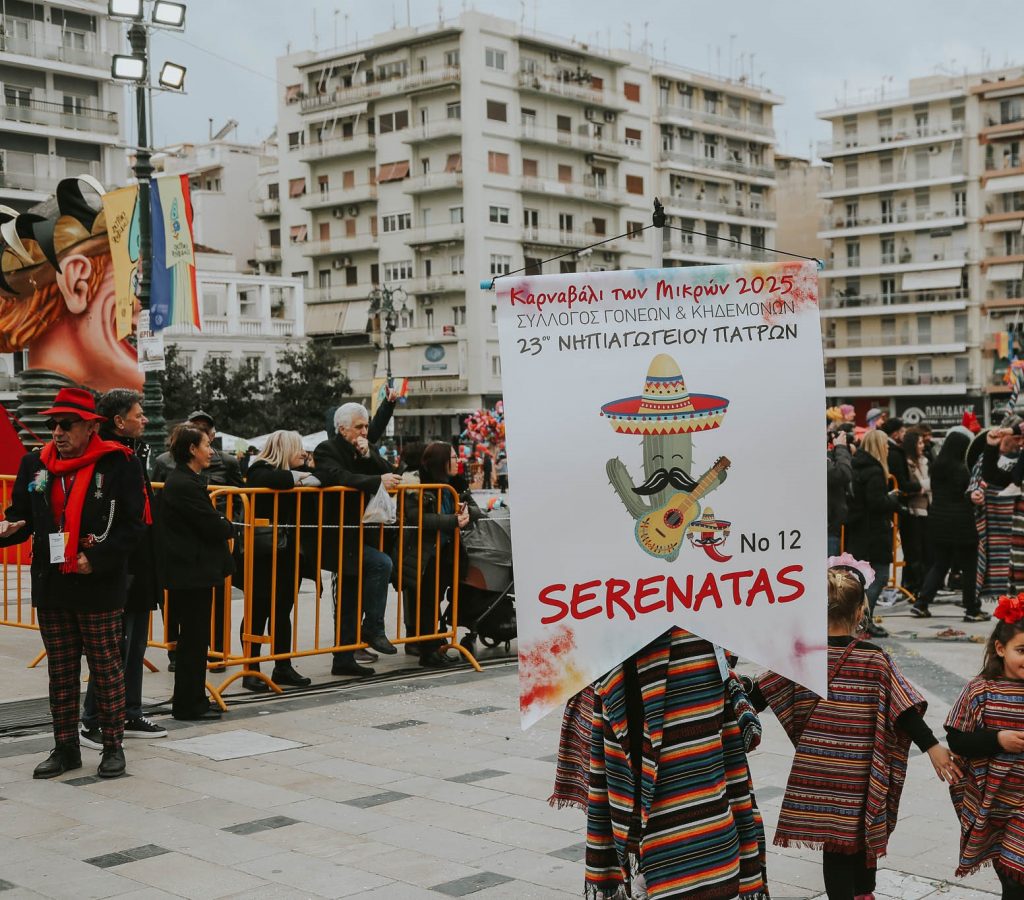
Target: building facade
61, 115
429, 159
924, 231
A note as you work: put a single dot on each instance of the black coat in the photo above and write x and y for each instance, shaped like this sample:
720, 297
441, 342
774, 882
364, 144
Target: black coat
193, 535
951, 516
899, 468
994, 475
839, 478
223, 469
869, 521
115, 515
429, 521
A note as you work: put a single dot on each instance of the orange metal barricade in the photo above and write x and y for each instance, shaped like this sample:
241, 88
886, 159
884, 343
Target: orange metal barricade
239, 505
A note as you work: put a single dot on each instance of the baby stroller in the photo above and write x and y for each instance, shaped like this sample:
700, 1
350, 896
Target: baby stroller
486, 587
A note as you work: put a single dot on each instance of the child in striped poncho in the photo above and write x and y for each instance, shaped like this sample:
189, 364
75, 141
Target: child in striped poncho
850, 764
986, 728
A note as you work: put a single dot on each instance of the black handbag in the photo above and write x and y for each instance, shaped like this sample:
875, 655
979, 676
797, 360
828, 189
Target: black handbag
263, 539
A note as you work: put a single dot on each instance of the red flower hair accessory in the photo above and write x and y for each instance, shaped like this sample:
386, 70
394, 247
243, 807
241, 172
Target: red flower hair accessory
1010, 609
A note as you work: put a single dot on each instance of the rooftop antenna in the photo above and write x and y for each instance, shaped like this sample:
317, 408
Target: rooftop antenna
440, 12
629, 36
408, 15
718, 61
732, 38
336, 28
646, 46
316, 34
394, 18
209, 135
522, 13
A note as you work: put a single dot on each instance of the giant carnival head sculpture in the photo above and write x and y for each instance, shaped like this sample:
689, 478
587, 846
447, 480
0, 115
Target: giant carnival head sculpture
57, 293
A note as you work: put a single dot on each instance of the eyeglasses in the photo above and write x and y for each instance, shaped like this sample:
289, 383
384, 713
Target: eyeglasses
63, 424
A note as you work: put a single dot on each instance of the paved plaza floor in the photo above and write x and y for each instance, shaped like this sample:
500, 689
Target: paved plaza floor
413, 787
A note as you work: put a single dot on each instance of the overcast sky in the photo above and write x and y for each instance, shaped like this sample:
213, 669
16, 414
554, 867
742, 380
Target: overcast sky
811, 52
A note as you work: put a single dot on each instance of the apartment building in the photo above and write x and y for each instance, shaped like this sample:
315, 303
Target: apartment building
428, 159
61, 114
924, 229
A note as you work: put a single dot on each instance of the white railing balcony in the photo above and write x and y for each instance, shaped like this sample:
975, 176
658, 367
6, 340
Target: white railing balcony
37, 46
686, 203
268, 207
340, 146
725, 121
581, 190
215, 325
588, 142
282, 327
557, 237
341, 244
886, 139
432, 131
27, 181
897, 298
545, 83
435, 284
343, 96
728, 165
713, 250
337, 293
56, 115
441, 233
268, 253
433, 181
342, 197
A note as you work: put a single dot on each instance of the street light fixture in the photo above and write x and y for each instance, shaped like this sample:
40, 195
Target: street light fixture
383, 303
168, 15
128, 68
126, 10
172, 76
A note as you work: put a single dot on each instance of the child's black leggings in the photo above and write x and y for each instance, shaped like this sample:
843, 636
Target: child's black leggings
1012, 890
847, 875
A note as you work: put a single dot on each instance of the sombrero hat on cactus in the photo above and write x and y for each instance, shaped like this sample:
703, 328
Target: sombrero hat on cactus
665, 406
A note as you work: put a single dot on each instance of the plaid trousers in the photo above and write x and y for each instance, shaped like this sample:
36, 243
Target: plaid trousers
66, 633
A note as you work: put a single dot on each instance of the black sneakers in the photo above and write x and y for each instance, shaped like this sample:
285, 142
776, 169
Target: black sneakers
143, 728
112, 763
91, 737
63, 758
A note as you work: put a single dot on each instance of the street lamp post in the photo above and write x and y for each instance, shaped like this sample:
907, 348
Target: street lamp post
383, 303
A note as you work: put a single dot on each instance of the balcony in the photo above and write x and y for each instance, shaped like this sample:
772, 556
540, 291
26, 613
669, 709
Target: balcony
583, 140
691, 161
268, 253
27, 181
556, 237
435, 284
996, 304
689, 116
903, 220
544, 83
36, 46
685, 205
434, 334
699, 250
433, 181
56, 115
580, 190
433, 131
341, 244
268, 208
447, 233
891, 140
341, 197
839, 306
343, 146
337, 293
896, 344
938, 259
939, 385
898, 180
344, 96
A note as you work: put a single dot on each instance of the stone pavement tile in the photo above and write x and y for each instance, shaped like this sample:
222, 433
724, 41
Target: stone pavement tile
523, 786
309, 873
189, 877
143, 792
412, 867
346, 819
371, 800
399, 725
439, 842
470, 884
24, 819
536, 868
802, 868
573, 853
355, 771
339, 790
82, 841
260, 825
241, 790
529, 809
316, 840
478, 775
397, 892
525, 765
214, 812
782, 891
446, 791
273, 892
146, 893
522, 890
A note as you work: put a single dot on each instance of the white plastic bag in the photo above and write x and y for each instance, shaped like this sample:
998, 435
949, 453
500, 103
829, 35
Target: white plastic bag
382, 509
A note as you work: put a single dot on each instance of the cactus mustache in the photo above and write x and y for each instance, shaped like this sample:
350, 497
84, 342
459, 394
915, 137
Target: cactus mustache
659, 479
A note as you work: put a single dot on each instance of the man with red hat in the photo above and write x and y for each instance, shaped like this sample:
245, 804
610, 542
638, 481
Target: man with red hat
82, 501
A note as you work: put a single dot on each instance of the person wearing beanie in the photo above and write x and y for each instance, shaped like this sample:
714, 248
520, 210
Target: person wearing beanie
875, 417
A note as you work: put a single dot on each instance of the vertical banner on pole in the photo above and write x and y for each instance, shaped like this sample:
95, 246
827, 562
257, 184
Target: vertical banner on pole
121, 212
667, 455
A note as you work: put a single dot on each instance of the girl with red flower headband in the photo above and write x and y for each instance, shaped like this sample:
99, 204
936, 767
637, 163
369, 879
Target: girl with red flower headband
986, 729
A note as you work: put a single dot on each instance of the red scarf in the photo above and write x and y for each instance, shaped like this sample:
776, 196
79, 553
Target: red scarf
68, 507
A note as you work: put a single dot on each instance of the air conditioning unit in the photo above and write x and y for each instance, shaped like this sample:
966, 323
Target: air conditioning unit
353, 210
589, 159
608, 256
345, 260
589, 113
427, 301
664, 82
338, 212
337, 264
609, 116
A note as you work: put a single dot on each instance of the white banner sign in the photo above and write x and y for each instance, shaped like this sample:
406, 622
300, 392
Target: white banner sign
667, 457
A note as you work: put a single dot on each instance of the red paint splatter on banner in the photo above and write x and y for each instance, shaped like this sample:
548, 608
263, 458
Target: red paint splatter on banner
547, 670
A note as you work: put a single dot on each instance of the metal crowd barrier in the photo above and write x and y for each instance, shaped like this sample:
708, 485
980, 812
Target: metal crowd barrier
307, 560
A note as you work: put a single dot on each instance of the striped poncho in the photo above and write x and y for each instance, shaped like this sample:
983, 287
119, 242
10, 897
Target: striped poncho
850, 764
989, 799
572, 775
1000, 525
689, 826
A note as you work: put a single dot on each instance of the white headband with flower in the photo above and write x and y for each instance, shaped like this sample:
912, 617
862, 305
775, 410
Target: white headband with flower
848, 561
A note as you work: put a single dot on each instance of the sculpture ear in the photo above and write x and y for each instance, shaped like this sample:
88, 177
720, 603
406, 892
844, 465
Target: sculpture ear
73, 282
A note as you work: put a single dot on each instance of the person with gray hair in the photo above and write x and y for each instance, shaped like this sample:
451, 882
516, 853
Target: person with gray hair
349, 459
125, 422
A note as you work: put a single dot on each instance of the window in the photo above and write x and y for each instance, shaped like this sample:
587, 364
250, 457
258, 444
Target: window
497, 111
885, 171
494, 59
454, 110
296, 139
496, 363
391, 70
852, 208
960, 329
960, 370
888, 250
296, 187
851, 171
451, 58
634, 231
529, 168
563, 123
886, 204
888, 371
888, 331
494, 314
531, 219
533, 266
398, 271
275, 237
325, 230
396, 121
564, 173
351, 275
298, 234
634, 137
599, 226
960, 203
455, 215
458, 315
924, 329
348, 179
711, 102
324, 183
458, 264
757, 236
499, 215
273, 191
528, 117
853, 253
396, 222
634, 184
631, 91
565, 222
710, 146
888, 290
497, 162
853, 372
567, 266
500, 264
853, 334
428, 315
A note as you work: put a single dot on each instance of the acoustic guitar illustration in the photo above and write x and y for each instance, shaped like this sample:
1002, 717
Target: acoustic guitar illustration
661, 531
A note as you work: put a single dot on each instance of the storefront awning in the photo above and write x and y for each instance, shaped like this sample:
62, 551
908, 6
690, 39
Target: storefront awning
393, 171
931, 281
357, 314
323, 319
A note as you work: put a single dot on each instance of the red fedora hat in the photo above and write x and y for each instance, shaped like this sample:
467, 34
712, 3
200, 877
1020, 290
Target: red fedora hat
75, 401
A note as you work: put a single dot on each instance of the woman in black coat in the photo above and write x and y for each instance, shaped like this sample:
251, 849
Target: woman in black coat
954, 538
194, 538
869, 523
282, 465
428, 551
